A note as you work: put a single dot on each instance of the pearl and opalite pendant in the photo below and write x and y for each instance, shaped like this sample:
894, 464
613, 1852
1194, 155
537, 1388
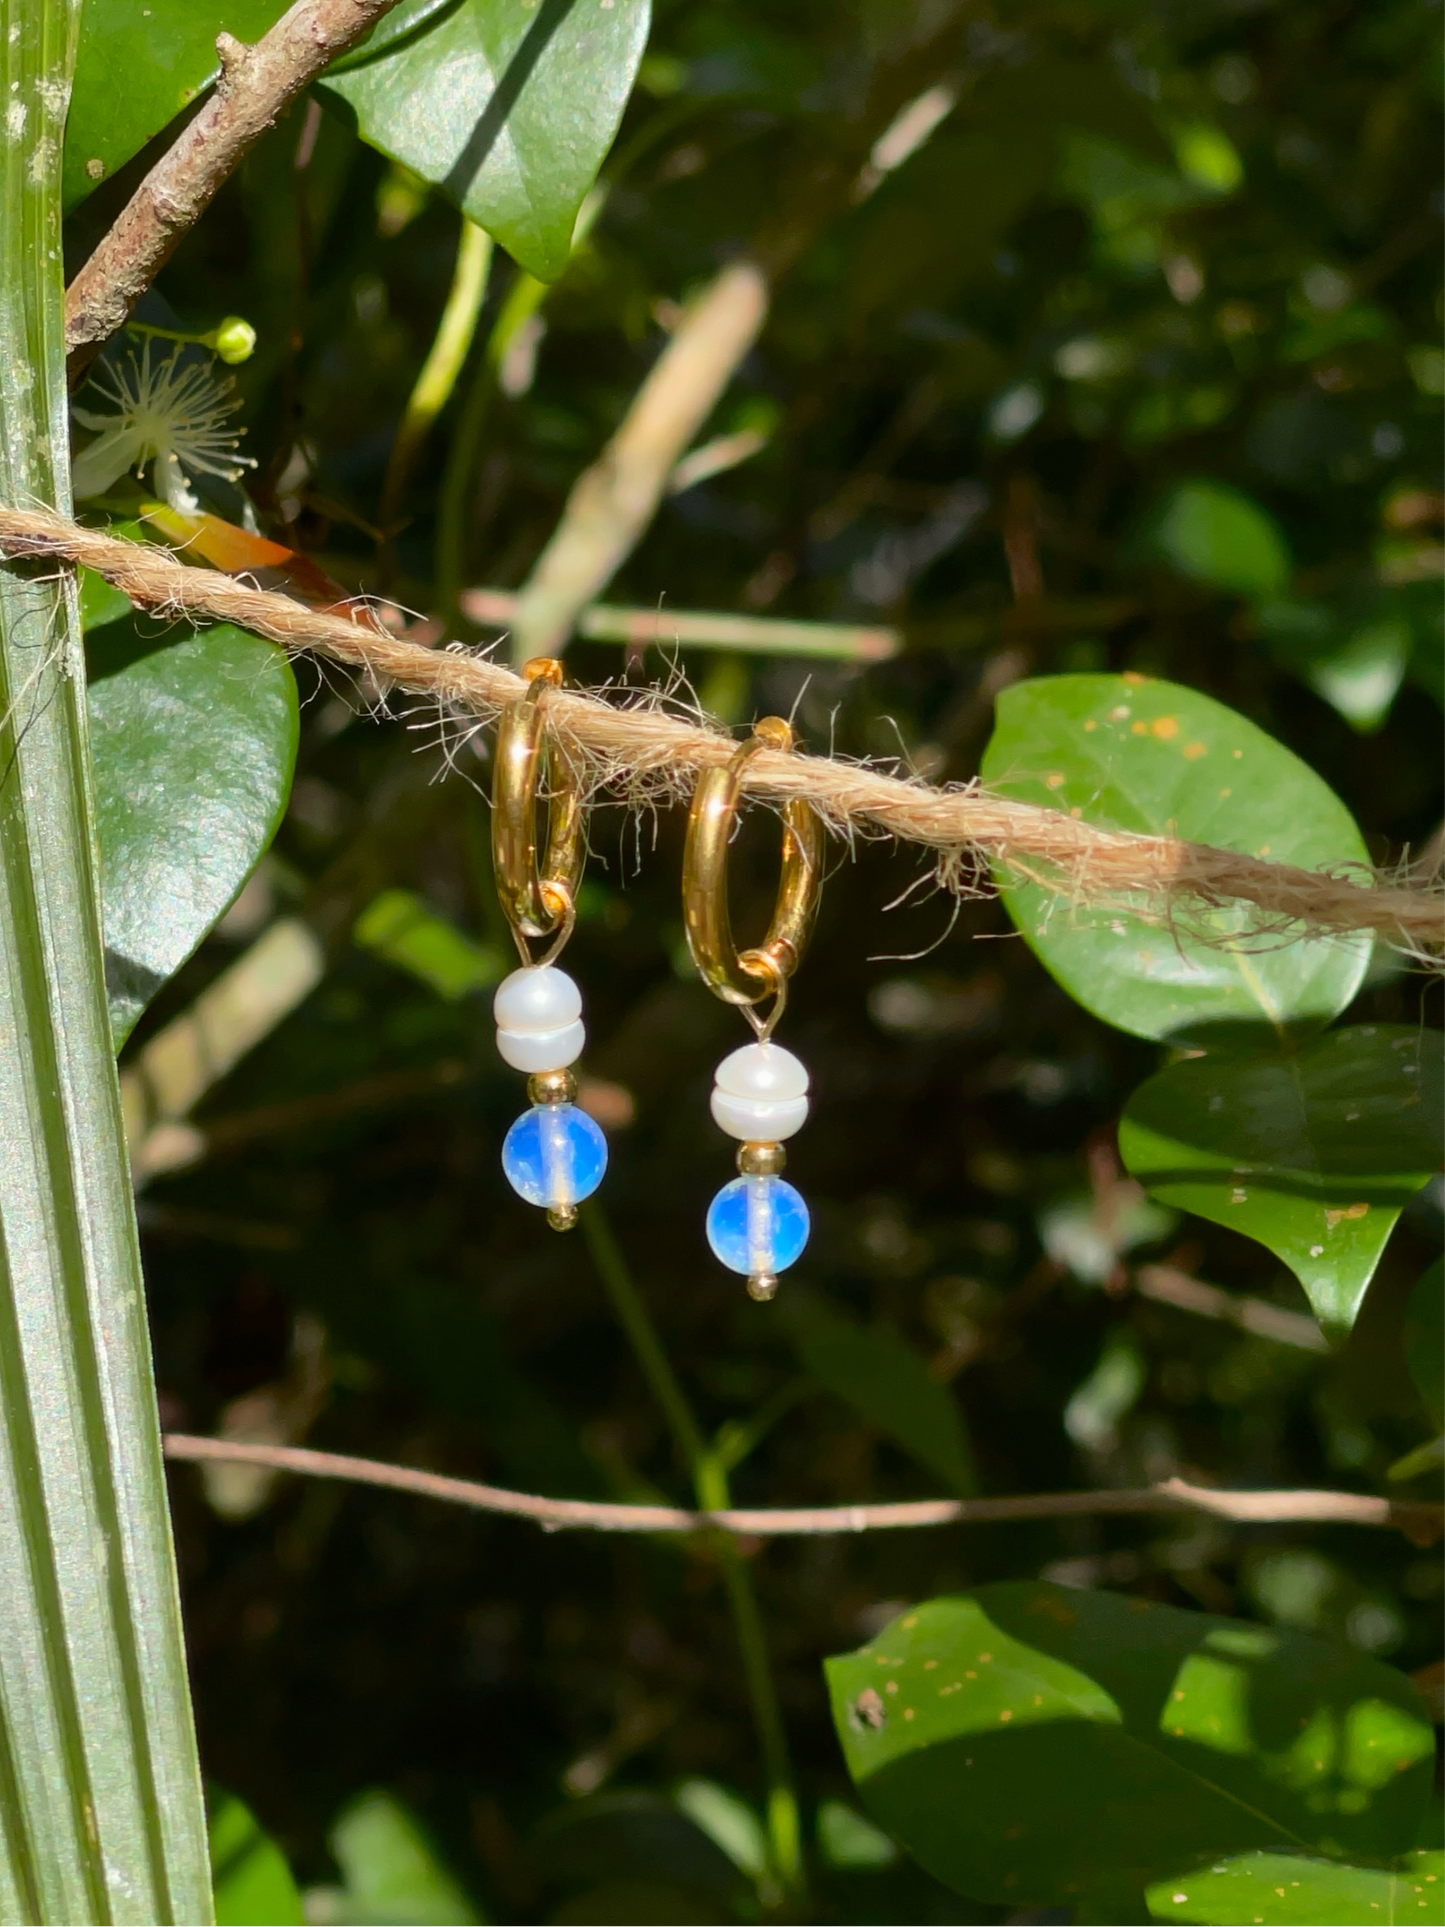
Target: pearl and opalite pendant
554, 1155
758, 1224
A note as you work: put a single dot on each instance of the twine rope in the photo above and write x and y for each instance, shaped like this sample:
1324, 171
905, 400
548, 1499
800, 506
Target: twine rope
631, 743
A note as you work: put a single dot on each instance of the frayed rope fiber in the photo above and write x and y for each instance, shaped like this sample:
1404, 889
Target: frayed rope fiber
637, 747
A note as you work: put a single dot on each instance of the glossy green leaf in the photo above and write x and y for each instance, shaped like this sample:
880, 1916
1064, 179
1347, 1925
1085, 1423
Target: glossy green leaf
1129, 753
1037, 1746
400, 928
253, 1883
99, 602
1355, 657
101, 1817
1217, 536
728, 1821
166, 51
1283, 1890
509, 106
1313, 1152
876, 1371
849, 1842
391, 1871
1424, 1339
616, 1839
193, 740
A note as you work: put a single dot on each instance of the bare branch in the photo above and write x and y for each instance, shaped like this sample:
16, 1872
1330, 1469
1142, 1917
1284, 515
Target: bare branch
647, 753
256, 85
1422, 1523
1169, 1286
614, 500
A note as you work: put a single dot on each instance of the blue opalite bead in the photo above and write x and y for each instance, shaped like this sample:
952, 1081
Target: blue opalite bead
554, 1155
757, 1225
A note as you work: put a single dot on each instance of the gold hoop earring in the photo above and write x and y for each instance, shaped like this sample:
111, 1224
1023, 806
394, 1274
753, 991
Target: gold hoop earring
757, 1224
554, 1155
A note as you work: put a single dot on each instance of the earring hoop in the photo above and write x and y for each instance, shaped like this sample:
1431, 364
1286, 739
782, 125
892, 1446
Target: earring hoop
554, 1155
539, 900
748, 977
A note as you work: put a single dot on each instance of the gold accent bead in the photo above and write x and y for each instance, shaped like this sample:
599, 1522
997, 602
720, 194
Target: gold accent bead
562, 1217
761, 1160
762, 1286
552, 1087
546, 667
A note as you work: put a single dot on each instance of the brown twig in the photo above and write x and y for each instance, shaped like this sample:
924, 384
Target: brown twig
1167, 1285
255, 86
613, 501
1421, 1522
648, 753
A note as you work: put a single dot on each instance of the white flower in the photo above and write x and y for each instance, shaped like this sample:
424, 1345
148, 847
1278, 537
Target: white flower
171, 414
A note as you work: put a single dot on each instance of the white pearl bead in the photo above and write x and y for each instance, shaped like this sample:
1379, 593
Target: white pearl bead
537, 997
542, 1050
763, 1071
758, 1120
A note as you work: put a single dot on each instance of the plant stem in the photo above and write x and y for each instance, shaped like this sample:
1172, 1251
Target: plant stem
641, 1333
438, 375
100, 1798
524, 298
710, 1484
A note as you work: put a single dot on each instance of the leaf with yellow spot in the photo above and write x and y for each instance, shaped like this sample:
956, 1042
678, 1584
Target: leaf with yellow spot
1314, 1153
1283, 1890
1128, 753
1075, 1748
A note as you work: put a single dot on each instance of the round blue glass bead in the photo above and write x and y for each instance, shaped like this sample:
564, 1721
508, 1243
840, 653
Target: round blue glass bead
757, 1225
554, 1155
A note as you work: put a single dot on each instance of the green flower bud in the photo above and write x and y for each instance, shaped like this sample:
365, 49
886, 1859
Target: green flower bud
233, 340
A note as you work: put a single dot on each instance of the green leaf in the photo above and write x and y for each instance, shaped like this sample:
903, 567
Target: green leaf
1037, 1746
1355, 657
392, 1873
878, 1373
193, 742
1129, 753
850, 1843
636, 1903
399, 927
1217, 536
253, 1883
1092, 1415
166, 52
1315, 1153
1424, 1339
509, 106
99, 602
101, 1817
1285, 1891
728, 1821
616, 1839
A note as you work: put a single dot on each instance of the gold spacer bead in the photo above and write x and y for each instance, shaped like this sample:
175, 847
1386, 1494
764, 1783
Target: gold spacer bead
775, 732
762, 1286
562, 1217
552, 1087
761, 1160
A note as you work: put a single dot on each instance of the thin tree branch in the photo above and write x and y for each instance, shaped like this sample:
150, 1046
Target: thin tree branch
256, 85
1420, 1522
1167, 1285
649, 754
703, 629
614, 500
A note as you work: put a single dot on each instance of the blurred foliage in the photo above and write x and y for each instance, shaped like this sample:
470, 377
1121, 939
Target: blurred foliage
1104, 340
